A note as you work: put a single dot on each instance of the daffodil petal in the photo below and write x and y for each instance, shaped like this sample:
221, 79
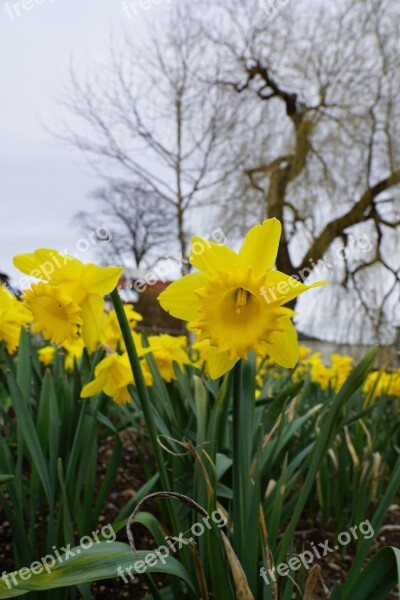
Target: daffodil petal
44, 263
210, 257
219, 364
283, 288
92, 311
32, 263
260, 246
122, 395
180, 300
70, 271
53, 263
283, 347
101, 280
95, 386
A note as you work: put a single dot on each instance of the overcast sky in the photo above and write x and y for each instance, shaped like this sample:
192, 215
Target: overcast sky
42, 183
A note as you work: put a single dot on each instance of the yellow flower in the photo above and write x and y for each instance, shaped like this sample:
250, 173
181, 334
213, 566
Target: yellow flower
387, 384
341, 368
54, 313
111, 332
236, 300
74, 352
199, 353
167, 350
46, 355
319, 373
113, 375
13, 316
84, 284
304, 351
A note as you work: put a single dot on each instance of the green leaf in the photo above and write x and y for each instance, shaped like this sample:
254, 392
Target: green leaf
390, 492
24, 364
31, 439
324, 440
380, 576
104, 560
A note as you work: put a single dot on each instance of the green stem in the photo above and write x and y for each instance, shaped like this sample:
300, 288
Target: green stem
245, 490
141, 387
238, 479
147, 415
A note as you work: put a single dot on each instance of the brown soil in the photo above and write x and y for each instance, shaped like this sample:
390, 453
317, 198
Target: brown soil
130, 478
335, 566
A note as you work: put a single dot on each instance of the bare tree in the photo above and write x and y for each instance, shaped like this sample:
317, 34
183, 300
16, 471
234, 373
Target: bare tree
321, 83
140, 229
148, 117
292, 115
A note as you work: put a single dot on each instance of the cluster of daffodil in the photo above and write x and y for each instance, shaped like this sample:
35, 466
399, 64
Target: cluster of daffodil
334, 375
235, 304
267, 368
326, 376
113, 374
222, 302
68, 310
383, 383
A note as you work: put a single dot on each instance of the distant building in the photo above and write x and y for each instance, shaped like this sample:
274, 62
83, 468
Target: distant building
139, 288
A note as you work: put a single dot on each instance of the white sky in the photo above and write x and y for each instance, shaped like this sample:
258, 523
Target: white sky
43, 183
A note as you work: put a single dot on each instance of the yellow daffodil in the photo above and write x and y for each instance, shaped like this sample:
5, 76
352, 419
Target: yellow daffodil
13, 316
54, 313
387, 384
341, 367
83, 284
235, 300
111, 332
113, 375
302, 367
73, 352
199, 353
326, 377
263, 366
319, 373
46, 355
167, 350
304, 351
